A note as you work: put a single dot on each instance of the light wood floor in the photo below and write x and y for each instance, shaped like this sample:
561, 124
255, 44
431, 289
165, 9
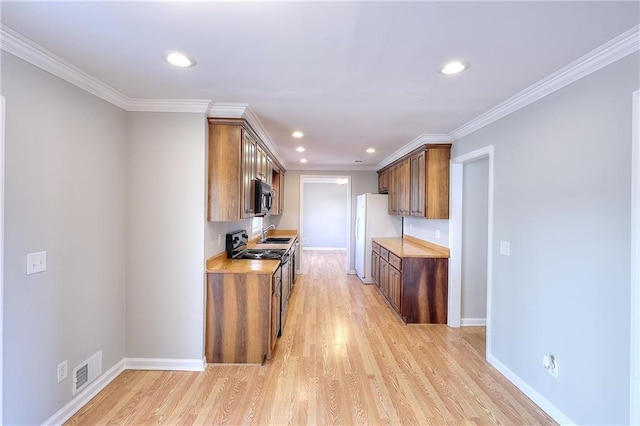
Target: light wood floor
344, 358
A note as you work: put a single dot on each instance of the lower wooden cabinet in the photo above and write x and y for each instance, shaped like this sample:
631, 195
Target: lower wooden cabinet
416, 287
239, 317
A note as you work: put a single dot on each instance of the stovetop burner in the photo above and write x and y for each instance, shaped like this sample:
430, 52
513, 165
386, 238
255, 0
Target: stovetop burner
260, 254
237, 248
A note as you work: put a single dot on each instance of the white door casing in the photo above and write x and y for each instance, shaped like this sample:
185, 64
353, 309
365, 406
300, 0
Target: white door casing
634, 391
455, 238
2, 128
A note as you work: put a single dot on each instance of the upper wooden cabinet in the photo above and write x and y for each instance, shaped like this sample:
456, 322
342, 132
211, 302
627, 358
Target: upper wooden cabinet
236, 157
383, 182
418, 184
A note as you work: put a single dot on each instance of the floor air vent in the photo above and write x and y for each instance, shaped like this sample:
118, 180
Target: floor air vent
82, 376
87, 372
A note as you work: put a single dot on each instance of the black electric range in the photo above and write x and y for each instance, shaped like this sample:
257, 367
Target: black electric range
236, 246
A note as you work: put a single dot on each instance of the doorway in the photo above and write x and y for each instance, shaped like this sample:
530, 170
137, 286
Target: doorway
456, 235
475, 186
325, 213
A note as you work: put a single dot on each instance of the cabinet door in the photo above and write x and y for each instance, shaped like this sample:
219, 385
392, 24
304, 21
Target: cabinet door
393, 190
384, 278
261, 164
375, 267
383, 182
437, 183
404, 190
395, 284
418, 183
249, 147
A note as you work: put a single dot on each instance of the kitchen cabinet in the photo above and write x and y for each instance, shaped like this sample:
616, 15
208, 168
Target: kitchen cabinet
375, 263
429, 182
236, 156
239, 317
383, 182
277, 182
415, 287
402, 187
418, 183
393, 189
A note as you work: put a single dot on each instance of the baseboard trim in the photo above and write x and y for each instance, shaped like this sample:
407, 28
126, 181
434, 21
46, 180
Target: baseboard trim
164, 364
536, 397
101, 382
85, 396
473, 322
325, 248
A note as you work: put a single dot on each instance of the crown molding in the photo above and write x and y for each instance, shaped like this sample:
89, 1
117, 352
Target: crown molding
610, 52
168, 105
229, 110
21, 47
423, 139
225, 110
333, 168
259, 128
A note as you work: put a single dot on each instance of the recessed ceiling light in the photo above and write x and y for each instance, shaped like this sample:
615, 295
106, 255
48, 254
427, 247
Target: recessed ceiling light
304, 160
300, 149
297, 134
454, 67
371, 150
179, 59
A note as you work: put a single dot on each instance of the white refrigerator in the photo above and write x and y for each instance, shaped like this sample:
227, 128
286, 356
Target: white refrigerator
372, 221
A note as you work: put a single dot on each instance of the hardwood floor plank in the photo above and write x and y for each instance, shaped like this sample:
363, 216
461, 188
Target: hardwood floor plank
344, 357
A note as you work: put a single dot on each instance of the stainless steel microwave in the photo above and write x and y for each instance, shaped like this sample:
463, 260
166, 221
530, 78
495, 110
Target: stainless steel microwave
262, 197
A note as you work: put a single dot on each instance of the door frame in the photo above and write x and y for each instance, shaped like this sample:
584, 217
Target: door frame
328, 179
455, 238
634, 391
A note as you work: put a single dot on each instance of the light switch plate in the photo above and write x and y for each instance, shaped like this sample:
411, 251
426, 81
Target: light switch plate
36, 262
505, 248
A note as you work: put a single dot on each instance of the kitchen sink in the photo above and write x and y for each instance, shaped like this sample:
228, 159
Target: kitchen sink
276, 240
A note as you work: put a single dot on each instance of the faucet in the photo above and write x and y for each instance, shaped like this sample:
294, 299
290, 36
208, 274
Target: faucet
264, 231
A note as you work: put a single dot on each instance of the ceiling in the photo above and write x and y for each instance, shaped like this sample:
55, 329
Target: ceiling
350, 75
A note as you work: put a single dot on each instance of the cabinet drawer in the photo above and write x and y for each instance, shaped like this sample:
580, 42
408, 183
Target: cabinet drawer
375, 247
384, 253
395, 261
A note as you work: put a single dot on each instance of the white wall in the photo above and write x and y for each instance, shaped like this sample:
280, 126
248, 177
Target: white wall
433, 230
474, 240
326, 220
562, 199
65, 191
165, 230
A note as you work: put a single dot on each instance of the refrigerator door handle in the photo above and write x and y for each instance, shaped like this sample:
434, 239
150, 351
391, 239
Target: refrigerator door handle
357, 219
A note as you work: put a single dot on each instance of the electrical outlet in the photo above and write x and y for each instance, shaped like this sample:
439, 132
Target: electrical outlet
305, 241
550, 363
437, 234
505, 248
63, 371
36, 262
219, 239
